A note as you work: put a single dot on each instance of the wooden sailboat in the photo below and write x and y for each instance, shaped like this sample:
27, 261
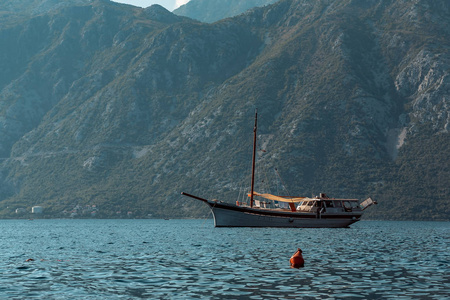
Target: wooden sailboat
317, 212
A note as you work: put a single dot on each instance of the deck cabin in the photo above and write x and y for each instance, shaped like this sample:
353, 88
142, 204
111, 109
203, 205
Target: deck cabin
319, 204
329, 205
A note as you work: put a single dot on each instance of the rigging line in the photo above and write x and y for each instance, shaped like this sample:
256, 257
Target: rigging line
262, 168
247, 178
267, 181
282, 183
264, 180
244, 193
277, 186
242, 186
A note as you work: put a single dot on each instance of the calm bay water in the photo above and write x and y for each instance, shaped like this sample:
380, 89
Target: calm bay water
189, 259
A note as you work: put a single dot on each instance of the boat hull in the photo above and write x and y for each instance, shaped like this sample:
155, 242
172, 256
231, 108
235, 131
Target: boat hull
230, 215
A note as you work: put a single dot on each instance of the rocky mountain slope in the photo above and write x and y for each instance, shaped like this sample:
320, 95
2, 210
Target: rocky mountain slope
123, 108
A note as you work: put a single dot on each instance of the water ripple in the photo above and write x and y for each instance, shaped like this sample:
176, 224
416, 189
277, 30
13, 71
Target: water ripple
134, 259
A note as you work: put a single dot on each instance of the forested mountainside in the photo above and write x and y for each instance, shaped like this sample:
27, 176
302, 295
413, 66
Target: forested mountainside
214, 10
112, 110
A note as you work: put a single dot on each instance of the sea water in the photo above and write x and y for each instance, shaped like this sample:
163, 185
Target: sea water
190, 259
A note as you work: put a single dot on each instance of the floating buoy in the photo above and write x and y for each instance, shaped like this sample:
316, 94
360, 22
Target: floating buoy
297, 260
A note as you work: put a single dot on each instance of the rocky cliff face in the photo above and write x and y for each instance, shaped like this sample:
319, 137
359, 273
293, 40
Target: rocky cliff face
124, 108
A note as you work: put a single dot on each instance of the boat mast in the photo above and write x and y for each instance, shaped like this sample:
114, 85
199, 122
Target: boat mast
254, 157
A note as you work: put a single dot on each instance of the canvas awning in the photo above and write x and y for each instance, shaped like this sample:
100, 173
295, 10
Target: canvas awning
280, 198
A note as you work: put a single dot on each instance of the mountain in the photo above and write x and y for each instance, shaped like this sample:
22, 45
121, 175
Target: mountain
121, 108
211, 11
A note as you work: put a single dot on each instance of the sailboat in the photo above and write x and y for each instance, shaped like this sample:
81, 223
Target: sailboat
298, 212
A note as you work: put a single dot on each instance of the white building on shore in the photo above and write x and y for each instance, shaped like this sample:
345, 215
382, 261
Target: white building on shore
37, 210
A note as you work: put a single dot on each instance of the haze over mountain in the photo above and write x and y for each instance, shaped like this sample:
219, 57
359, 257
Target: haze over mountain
167, 4
123, 108
212, 11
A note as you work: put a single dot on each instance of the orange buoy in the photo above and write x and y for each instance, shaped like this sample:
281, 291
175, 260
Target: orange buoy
297, 260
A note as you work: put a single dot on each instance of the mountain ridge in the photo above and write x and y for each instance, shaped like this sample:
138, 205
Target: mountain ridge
125, 108
212, 11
